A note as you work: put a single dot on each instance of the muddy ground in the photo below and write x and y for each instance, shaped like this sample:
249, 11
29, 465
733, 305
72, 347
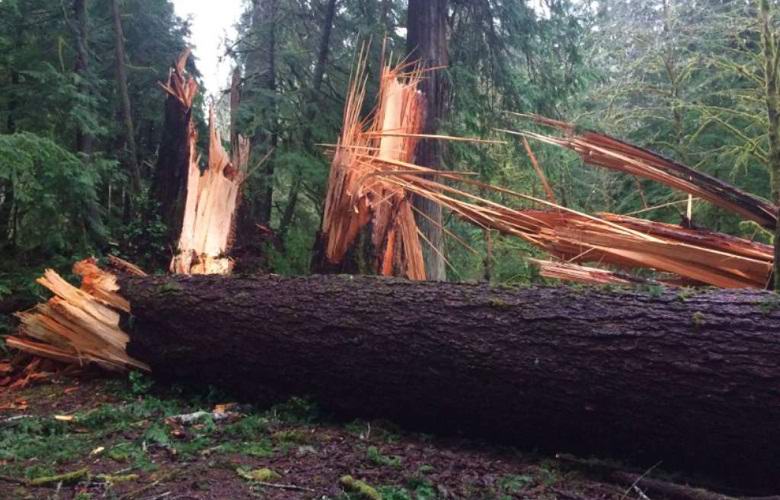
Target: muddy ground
121, 439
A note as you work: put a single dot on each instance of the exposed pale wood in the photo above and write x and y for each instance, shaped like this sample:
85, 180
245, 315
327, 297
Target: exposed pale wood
539, 172
211, 207
78, 326
582, 274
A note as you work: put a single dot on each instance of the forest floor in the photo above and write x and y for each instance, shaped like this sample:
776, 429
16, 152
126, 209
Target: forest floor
119, 439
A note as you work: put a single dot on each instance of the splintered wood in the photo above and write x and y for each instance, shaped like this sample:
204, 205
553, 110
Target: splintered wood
78, 325
582, 274
629, 243
358, 194
179, 85
698, 257
210, 209
373, 176
608, 152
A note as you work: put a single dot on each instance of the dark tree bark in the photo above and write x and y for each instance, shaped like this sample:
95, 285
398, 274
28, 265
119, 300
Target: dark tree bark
427, 42
128, 130
691, 381
235, 105
313, 107
169, 182
261, 83
324, 48
84, 138
254, 213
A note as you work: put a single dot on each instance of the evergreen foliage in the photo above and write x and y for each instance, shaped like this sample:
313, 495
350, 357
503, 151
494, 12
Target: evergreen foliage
685, 78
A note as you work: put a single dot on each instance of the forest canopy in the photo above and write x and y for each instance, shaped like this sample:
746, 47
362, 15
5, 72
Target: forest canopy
82, 116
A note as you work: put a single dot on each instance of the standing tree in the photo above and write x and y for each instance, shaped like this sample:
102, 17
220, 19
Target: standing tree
174, 155
771, 61
258, 121
260, 89
80, 28
128, 130
427, 43
310, 114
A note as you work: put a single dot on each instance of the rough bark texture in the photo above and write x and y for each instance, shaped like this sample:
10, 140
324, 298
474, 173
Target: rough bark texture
169, 183
692, 381
427, 42
128, 130
235, 104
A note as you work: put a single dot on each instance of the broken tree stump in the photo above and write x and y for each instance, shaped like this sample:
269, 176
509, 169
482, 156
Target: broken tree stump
691, 380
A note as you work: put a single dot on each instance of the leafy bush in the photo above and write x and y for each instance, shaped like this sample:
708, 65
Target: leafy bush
48, 201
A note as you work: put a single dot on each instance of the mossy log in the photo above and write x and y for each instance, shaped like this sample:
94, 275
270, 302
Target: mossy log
690, 379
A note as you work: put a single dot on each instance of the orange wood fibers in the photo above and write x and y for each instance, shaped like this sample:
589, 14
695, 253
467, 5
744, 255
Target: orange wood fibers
180, 85
582, 274
626, 242
702, 256
358, 194
78, 325
608, 152
373, 177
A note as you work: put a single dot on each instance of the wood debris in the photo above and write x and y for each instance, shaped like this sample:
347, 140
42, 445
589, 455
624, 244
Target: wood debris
180, 85
78, 325
24, 369
630, 243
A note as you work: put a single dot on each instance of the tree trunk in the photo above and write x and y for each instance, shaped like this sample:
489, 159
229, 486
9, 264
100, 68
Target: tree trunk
691, 381
261, 74
128, 130
772, 95
84, 138
235, 105
324, 49
311, 111
169, 182
257, 93
427, 42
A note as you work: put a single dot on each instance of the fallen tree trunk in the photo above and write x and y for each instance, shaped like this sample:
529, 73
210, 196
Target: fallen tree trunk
692, 381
